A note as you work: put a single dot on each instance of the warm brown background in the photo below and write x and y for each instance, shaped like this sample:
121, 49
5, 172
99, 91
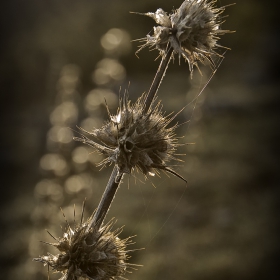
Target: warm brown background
226, 224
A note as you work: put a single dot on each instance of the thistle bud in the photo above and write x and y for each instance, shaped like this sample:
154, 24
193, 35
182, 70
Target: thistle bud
192, 31
89, 253
136, 139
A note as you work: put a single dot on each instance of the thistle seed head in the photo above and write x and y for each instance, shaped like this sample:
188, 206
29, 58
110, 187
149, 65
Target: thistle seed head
136, 139
192, 31
90, 253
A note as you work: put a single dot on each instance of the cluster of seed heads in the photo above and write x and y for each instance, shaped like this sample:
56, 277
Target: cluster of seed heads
89, 252
139, 136
192, 31
136, 139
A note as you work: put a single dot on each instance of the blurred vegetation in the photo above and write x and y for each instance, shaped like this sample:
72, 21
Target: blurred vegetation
59, 59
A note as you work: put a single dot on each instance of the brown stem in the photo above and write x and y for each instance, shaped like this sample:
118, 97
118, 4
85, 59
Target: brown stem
158, 78
107, 198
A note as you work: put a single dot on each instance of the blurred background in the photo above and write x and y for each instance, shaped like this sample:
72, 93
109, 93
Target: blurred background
60, 59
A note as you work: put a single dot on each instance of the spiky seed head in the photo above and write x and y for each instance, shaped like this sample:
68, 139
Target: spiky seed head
192, 31
136, 139
90, 253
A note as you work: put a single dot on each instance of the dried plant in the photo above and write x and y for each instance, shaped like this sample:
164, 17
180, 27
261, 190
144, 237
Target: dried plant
136, 139
140, 136
90, 252
192, 31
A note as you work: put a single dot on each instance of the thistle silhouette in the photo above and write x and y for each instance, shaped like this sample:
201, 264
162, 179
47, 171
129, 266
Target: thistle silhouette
192, 31
90, 252
136, 139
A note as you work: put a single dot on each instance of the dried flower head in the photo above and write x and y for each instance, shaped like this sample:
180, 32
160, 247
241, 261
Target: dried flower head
90, 253
192, 31
136, 139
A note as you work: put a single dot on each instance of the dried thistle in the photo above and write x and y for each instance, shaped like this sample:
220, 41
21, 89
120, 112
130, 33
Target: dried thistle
137, 139
192, 31
90, 252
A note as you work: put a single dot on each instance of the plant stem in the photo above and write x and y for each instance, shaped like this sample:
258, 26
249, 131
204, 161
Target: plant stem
107, 198
115, 178
158, 78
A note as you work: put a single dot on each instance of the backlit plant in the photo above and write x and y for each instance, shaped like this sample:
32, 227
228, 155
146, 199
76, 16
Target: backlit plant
139, 136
